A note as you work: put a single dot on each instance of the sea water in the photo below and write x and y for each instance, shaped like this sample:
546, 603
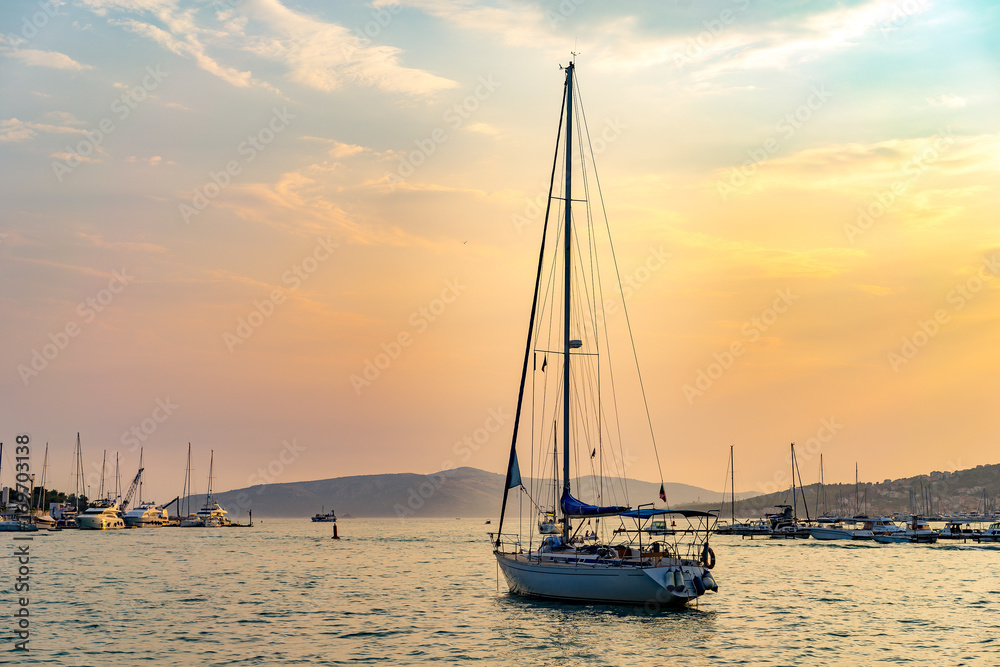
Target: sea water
427, 591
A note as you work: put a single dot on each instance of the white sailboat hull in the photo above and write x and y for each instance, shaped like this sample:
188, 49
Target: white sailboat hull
600, 583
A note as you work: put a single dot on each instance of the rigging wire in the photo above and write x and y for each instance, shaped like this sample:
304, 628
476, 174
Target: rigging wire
614, 259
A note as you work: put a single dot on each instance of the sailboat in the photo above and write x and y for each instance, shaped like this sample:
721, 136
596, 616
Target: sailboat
211, 515
586, 560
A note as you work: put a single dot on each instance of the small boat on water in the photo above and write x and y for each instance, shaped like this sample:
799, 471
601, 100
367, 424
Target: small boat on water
324, 517
991, 534
957, 530
829, 528
547, 524
17, 526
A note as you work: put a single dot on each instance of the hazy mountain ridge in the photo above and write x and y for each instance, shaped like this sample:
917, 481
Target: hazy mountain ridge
458, 492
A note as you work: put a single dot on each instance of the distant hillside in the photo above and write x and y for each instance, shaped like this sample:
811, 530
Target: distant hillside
458, 492
937, 493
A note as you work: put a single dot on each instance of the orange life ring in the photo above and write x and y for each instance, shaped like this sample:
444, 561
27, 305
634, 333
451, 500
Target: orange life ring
708, 557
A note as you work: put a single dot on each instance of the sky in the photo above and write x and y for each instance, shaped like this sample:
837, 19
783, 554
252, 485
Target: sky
302, 235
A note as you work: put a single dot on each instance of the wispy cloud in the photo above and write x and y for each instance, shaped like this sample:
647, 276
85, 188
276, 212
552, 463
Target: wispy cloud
328, 56
52, 59
15, 129
318, 54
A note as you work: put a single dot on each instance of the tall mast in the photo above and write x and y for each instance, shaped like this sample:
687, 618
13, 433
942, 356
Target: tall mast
732, 483
104, 464
140, 477
41, 489
555, 475
567, 266
79, 470
822, 485
857, 499
211, 463
187, 484
795, 511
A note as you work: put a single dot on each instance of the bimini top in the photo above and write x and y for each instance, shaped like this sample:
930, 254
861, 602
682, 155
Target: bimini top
646, 513
573, 507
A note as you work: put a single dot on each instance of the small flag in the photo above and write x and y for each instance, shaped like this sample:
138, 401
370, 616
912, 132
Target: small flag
545, 362
663, 494
593, 453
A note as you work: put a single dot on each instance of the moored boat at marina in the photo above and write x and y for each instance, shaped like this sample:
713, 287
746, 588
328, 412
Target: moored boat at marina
211, 514
958, 530
834, 529
145, 515
101, 516
991, 534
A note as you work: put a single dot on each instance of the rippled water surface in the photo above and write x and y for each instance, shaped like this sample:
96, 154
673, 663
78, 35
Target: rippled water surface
425, 591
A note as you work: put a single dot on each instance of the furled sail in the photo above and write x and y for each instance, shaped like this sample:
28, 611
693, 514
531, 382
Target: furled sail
573, 507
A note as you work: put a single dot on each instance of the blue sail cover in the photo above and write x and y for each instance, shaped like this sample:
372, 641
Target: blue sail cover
573, 507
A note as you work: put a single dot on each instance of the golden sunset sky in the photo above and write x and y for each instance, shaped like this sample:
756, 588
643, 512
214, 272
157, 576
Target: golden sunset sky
303, 234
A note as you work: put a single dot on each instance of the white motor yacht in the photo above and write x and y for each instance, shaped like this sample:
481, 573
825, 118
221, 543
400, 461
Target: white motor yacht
103, 516
146, 515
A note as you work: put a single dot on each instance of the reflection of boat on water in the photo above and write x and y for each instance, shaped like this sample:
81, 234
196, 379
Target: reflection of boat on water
576, 397
324, 517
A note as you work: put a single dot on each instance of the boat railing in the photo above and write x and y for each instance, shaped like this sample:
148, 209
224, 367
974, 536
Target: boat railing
506, 542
